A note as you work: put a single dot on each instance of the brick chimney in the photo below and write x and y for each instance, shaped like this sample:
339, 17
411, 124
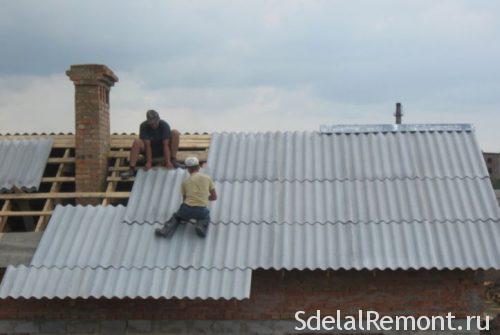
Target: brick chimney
92, 85
399, 113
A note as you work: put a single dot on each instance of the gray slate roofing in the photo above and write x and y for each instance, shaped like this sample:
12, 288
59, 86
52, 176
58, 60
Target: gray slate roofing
77, 237
87, 238
373, 198
43, 282
299, 156
22, 163
407, 197
155, 197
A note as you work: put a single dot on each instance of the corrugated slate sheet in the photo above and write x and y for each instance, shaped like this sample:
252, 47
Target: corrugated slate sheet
359, 201
299, 156
441, 245
406, 198
156, 196
22, 163
375, 199
87, 238
32, 282
18, 247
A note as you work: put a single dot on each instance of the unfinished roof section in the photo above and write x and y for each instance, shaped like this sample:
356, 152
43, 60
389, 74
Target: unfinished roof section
23, 163
369, 152
77, 247
58, 181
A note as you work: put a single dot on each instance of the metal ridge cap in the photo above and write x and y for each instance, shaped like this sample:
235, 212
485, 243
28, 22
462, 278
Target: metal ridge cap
392, 128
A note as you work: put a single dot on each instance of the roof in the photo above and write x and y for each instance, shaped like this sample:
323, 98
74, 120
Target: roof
43, 282
314, 156
377, 197
155, 197
58, 180
23, 163
354, 198
72, 260
97, 237
18, 248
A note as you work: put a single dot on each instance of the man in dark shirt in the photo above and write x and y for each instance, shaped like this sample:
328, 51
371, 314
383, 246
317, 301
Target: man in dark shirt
156, 140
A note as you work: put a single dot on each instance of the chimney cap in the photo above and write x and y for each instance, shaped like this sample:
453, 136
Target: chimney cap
91, 74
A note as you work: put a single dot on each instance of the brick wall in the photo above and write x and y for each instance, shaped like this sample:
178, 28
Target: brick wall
277, 295
492, 163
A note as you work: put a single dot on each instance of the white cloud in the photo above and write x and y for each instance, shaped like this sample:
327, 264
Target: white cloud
36, 104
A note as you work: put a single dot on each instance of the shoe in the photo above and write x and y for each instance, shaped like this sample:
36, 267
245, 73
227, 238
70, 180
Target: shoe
128, 174
168, 229
201, 228
177, 164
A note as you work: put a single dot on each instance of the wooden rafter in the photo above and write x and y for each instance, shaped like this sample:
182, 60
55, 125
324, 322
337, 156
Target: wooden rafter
117, 141
59, 160
181, 155
65, 195
7, 205
112, 184
58, 179
25, 213
196, 145
114, 178
55, 187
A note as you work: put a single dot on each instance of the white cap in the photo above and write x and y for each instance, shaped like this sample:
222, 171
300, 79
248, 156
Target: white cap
192, 162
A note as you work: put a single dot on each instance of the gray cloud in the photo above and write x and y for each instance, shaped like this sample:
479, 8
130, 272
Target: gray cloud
221, 64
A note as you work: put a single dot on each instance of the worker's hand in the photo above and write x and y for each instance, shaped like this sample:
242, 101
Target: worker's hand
149, 165
169, 165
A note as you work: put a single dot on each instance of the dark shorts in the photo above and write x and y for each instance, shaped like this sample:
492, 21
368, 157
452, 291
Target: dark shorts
156, 150
187, 212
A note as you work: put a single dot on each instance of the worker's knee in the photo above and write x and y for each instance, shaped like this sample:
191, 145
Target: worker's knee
175, 133
138, 144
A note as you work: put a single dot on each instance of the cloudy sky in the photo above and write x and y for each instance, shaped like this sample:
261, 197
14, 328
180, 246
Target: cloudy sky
256, 65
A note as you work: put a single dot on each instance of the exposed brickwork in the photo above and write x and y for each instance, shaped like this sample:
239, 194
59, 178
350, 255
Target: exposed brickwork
92, 86
492, 163
277, 295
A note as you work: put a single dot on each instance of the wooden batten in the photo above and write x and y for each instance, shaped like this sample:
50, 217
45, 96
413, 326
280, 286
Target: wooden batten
190, 145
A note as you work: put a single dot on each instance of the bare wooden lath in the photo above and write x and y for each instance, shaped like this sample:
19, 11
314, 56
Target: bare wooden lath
58, 182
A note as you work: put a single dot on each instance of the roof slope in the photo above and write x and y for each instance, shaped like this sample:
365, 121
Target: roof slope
43, 282
87, 237
22, 163
78, 237
374, 154
363, 197
155, 197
